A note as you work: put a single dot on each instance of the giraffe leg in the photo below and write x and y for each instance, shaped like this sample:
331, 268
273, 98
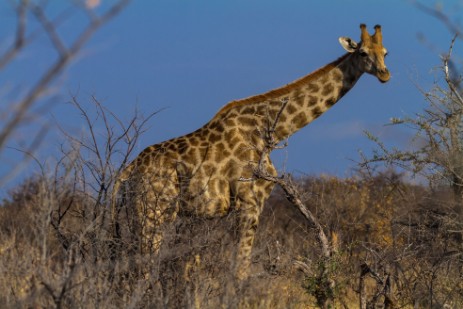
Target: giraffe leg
250, 210
248, 225
156, 203
252, 196
151, 239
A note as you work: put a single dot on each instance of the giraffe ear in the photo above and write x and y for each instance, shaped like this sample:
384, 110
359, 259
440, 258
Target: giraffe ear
348, 44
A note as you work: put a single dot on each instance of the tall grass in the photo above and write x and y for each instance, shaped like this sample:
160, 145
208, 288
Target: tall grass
394, 244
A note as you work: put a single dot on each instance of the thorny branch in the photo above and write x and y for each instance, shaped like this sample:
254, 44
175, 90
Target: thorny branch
326, 283
383, 287
448, 79
438, 155
286, 183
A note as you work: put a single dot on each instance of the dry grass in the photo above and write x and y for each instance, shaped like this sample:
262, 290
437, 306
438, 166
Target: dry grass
71, 267
392, 244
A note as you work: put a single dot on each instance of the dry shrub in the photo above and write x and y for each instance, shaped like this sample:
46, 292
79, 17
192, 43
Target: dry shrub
393, 244
69, 267
399, 231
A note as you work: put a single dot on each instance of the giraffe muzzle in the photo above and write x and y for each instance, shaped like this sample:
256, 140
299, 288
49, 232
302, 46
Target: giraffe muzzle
383, 75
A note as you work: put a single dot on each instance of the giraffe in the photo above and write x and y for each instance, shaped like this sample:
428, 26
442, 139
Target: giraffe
202, 173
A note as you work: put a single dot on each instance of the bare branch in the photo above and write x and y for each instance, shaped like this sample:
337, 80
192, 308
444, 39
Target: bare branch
448, 79
28, 156
453, 28
20, 39
50, 30
42, 86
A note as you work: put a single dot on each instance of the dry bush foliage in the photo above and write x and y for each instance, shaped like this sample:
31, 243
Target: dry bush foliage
360, 242
391, 244
394, 244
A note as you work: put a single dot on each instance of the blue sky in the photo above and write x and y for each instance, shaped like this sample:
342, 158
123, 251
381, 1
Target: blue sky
189, 58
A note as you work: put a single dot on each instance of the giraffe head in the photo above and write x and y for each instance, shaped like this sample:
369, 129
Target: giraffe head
369, 53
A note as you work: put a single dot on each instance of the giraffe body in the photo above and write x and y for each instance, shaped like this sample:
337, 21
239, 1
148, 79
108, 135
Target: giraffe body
207, 172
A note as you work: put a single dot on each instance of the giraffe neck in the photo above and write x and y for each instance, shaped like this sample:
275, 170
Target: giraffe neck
287, 109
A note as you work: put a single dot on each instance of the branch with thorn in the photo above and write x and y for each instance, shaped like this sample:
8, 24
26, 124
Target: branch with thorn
286, 183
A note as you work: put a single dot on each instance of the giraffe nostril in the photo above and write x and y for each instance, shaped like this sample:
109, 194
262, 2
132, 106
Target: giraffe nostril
383, 71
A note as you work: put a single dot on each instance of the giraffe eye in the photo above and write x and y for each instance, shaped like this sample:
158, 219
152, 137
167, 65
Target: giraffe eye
363, 53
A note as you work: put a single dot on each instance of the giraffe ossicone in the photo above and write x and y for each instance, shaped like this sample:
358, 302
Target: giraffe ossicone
202, 173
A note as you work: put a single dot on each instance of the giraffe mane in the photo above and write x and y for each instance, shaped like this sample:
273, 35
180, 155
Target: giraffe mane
278, 92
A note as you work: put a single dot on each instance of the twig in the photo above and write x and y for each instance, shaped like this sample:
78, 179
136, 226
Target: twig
41, 87
453, 28
448, 79
285, 182
20, 39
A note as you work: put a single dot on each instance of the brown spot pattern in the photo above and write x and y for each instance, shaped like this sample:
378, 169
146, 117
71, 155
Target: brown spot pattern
327, 89
316, 112
300, 120
312, 100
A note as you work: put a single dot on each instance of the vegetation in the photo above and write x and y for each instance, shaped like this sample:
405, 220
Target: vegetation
373, 240
392, 243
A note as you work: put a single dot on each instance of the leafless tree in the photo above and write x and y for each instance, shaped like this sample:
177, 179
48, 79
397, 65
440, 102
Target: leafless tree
33, 20
64, 222
438, 151
436, 154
